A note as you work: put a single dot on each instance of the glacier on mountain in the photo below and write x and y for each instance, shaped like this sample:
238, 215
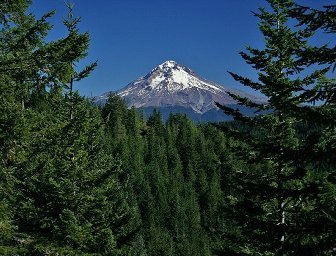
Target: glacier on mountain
172, 84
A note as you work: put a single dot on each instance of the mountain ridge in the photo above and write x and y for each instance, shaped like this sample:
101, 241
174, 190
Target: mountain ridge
172, 85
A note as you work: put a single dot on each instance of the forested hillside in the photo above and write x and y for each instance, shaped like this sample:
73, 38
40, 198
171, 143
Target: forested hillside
78, 179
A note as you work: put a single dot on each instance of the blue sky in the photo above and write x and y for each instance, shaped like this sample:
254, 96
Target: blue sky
131, 37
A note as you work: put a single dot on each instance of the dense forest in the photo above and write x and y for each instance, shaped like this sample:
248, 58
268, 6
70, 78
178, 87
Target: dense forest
79, 179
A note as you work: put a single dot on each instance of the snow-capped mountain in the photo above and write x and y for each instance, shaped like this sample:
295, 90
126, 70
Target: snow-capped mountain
173, 85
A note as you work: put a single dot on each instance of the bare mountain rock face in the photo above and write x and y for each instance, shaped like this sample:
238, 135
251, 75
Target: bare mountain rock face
171, 87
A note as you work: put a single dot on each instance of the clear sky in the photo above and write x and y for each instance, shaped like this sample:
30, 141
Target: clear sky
131, 37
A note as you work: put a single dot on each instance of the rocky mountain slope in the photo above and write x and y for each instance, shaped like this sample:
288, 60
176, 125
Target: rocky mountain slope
176, 88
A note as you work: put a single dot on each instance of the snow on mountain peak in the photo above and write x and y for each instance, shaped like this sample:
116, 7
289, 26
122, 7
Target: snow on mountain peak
172, 77
172, 84
168, 64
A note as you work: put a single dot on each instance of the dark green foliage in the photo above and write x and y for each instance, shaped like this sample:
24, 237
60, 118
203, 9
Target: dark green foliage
61, 190
81, 180
277, 203
178, 193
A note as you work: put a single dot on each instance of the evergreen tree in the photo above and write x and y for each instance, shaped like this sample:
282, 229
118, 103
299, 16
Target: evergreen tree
277, 193
61, 192
79, 44
320, 141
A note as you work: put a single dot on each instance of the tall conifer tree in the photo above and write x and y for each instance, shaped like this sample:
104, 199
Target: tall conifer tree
67, 197
277, 193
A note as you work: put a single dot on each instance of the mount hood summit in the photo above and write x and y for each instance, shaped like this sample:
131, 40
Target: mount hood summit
175, 87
